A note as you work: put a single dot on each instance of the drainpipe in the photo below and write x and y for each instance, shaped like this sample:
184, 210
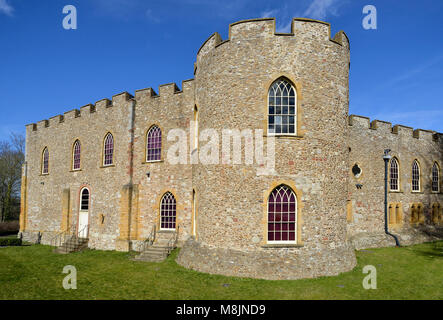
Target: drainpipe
386, 158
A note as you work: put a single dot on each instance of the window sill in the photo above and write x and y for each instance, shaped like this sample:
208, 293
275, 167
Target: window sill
417, 192
76, 170
152, 161
166, 231
282, 245
108, 166
283, 136
393, 191
44, 174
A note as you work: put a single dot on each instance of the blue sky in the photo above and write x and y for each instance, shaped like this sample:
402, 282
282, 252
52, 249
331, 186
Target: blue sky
125, 45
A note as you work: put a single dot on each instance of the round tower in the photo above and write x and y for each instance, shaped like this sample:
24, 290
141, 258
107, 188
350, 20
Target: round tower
282, 219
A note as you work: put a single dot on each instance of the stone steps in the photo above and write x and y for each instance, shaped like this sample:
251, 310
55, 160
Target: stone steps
73, 244
158, 252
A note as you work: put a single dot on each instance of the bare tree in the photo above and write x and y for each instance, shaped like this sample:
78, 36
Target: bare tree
11, 161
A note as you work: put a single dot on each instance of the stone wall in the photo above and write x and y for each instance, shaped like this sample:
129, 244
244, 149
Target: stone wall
232, 81
367, 141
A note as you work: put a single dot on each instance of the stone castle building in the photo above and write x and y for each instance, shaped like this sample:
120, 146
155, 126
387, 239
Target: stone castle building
105, 170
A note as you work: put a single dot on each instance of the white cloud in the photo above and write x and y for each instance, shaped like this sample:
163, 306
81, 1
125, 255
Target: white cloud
320, 9
6, 8
269, 13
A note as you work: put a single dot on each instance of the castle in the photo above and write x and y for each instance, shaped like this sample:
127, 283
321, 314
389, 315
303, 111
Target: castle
104, 169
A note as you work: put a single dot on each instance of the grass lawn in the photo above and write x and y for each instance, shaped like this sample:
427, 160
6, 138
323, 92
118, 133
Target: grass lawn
34, 272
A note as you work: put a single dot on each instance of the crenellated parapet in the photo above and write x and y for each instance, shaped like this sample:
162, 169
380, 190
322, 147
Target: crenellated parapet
385, 127
103, 105
301, 28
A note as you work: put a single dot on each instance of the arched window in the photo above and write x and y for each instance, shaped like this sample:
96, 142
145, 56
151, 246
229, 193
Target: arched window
154, 144
167, 212
84, 200
282, 108
393, 173
415, 176
108, 150
76, 152
282, 211
45, 161
435, 178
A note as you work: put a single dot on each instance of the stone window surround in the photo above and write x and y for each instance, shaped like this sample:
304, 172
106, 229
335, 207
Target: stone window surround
113, 151
298, 90
299, 221
145, 146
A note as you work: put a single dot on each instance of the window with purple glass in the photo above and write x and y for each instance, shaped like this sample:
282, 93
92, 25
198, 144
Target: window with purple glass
167, 212
76, 155
282, 215
154, 144
108, 150
45, 161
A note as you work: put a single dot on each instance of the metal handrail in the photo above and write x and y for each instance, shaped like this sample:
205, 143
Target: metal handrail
86, 227
150, 239
172, 243
61, 237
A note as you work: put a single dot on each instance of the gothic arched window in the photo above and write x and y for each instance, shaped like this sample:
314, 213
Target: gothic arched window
282, 215
76, 152
415, 176
393, 175
108, 150
153, 144
282, 108
45, 161
168, 212
435, 177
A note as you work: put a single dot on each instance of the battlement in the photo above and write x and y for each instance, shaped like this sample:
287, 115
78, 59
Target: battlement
265, 27
386, 127
165, 90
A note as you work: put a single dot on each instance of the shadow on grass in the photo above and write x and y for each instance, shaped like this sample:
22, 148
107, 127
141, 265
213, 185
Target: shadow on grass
433, 252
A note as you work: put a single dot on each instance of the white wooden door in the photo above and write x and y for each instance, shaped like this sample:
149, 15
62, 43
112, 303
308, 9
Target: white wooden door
83, 224
83, 216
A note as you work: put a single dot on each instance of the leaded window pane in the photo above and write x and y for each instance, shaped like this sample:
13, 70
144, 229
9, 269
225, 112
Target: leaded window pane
76, 155
109, 150
435, 177
282, 207
394, 175
45, 167
415, 176
154, 144
281, 104
168, 211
